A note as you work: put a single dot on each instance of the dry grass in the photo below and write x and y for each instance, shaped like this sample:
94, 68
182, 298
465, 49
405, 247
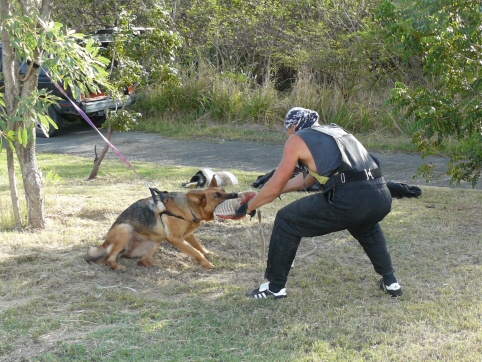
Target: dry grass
56, 307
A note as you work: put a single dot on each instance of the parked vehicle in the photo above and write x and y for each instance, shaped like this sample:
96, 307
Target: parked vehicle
94, 106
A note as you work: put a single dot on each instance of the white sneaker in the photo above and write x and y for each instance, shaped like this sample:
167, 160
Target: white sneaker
263, 292
393, 289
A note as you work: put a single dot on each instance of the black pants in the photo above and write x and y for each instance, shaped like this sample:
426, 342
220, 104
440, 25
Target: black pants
354, 206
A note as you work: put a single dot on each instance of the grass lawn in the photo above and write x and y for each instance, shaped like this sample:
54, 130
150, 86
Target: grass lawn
56, 307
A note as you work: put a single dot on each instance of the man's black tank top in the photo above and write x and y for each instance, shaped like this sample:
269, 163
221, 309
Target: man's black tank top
335, 150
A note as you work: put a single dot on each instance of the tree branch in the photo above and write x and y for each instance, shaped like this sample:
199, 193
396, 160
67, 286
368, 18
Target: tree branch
45, 9
24, 6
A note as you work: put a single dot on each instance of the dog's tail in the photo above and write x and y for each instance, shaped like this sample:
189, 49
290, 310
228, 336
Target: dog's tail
96, 253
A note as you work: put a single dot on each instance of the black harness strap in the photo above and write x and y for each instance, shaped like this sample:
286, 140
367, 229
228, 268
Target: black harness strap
155, 191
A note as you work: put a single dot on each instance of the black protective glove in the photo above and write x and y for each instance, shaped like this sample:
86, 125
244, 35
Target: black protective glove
242, 210
261, 180
400, 190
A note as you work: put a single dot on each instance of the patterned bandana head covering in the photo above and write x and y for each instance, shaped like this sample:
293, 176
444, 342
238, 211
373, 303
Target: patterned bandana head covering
302, 118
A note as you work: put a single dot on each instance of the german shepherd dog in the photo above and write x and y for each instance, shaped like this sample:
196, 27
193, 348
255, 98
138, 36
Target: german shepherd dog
173, 216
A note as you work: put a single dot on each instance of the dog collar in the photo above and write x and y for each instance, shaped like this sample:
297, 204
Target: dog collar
195, 218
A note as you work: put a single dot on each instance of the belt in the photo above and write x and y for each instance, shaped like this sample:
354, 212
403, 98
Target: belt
349, 176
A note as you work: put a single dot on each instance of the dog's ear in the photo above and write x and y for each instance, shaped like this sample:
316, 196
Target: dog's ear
197, 198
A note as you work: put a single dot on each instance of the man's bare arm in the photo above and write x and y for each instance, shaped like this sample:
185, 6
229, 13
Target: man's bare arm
298, 183
277, 183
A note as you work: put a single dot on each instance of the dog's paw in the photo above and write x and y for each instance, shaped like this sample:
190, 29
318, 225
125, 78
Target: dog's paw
206, 264
115, 266
207, 252
145, 263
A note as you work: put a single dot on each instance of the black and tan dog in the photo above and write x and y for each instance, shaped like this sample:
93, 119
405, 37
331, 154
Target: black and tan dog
174, 216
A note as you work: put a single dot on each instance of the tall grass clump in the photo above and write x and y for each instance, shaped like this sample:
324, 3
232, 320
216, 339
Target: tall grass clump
364, 111
307, 94
208, 102
221, 97
261, 105
184, 98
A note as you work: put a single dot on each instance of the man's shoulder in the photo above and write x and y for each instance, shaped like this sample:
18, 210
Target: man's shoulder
332, 130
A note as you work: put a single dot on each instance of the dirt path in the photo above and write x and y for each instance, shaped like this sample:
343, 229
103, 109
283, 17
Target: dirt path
222, 155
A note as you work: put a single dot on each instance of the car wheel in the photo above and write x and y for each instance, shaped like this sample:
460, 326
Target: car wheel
57, 118
98, 121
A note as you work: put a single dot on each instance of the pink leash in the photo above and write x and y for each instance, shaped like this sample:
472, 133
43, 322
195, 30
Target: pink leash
86, 118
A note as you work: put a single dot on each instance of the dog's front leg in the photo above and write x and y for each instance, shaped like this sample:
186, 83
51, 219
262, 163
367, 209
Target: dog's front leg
188, 249
194, 241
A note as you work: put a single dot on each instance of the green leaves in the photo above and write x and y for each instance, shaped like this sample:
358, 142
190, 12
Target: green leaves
22, 136
122, 120
144, 57
67, 57
447, 102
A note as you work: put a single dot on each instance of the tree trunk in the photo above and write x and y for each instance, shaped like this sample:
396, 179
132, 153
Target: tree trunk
13, 187
22, 86
98, 160
32, 183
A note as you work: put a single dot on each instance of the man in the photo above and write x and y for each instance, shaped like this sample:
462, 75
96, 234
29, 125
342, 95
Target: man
354, 198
